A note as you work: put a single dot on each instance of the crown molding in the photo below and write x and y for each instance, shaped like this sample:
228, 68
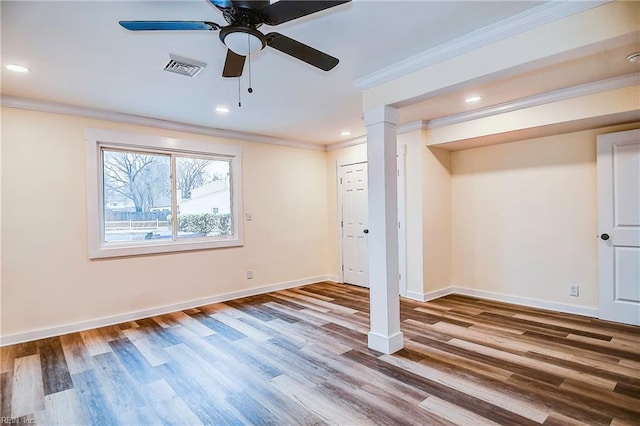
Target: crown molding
541, 99
346, 144
412, 126
99, 114
501, 30
404, 128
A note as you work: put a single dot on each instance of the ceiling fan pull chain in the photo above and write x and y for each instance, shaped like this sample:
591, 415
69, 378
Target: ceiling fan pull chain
239, 96
250, 89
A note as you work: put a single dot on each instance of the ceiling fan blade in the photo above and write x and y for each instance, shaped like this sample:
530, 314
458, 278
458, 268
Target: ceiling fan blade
233, 65
169, 25
301, 51
221, 3
288, 10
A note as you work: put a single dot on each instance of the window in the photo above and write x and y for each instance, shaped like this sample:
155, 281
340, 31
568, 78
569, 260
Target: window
151, 194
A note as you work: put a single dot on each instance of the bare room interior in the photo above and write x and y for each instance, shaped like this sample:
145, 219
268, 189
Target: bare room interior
320, 212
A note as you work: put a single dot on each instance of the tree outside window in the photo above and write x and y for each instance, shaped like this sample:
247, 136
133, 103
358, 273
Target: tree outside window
138, 195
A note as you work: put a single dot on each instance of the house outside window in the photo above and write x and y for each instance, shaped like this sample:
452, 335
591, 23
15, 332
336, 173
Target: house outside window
151, 194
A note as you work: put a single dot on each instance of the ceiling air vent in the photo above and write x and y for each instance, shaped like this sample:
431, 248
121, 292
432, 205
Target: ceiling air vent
184, 66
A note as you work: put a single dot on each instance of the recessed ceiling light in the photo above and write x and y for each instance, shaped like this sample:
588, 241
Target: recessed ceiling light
634, 57
17, 68
345, 133
472, 99
222, 110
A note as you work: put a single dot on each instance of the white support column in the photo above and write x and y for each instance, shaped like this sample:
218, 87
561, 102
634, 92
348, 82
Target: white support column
385, 335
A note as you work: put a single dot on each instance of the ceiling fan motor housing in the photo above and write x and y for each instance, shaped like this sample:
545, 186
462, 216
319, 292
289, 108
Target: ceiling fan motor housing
244, 13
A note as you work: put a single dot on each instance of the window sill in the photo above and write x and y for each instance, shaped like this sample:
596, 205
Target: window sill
108, 250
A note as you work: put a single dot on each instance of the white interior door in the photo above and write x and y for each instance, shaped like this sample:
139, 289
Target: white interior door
355, 256
619, 226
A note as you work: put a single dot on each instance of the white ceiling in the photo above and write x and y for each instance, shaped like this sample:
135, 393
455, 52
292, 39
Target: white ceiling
79, 55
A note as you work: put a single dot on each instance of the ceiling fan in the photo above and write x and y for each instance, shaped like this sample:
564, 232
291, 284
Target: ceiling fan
241, 36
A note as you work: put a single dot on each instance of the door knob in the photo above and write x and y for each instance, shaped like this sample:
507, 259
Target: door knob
604, 237
366, 231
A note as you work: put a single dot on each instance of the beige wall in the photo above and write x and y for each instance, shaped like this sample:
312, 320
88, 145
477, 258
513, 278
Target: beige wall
525, 218
517, 219
437, 219
47, 278
428, 215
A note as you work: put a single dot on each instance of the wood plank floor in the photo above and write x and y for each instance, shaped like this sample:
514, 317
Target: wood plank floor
300, 356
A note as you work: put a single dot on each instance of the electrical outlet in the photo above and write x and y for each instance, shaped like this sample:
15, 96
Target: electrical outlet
574, 290
249, 275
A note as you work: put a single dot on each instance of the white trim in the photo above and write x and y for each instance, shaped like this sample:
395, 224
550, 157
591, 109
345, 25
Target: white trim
525, 21
401, 152
333, 279
528, 102
100, 114
404, 128
341, 162
412, 127
540, 99
146, 313
525, 301
611, 307
346, 144
381, 114
425, 297
499, 297
402, 200
385, 344
96, 139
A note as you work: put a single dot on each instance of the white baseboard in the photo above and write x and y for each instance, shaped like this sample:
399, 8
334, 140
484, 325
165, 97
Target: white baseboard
421, 297
525, 301
333, 278
425, 297
498, 297
146, 313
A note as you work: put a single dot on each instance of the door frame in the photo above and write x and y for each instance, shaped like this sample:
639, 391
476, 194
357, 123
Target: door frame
605, 194
340, 221
402, 228
342, 161
347, 160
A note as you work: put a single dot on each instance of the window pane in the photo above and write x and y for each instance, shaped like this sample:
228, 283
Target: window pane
204, 197
137, 196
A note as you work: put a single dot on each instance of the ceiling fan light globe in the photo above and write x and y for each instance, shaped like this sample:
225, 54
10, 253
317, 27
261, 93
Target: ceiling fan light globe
243, 43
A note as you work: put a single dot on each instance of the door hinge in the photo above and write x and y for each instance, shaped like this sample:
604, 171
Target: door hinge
341, 224
398, 224
342, 268
399, 277
340, 181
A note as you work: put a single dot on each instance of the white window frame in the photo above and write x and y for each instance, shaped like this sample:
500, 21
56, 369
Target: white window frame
96, 139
